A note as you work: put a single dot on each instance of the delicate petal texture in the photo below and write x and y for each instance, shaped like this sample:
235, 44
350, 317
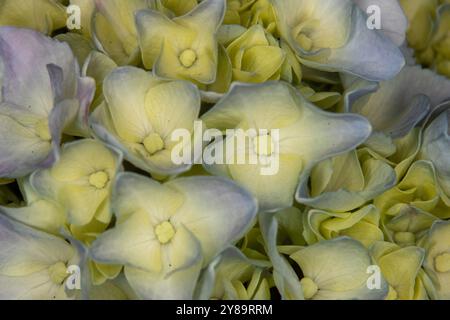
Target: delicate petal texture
41, 15
400, 267
184, 47
42, 95
361, 225
140, 107
399, 103
81, 181
345, 182
27, 260
436, 264
339, 270
344, 43
167, 232
279, 106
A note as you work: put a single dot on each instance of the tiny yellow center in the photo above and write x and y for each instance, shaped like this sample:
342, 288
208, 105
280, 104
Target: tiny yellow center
99, 179
153, 143
164, 232
263, 145
309, 287
405, 238
42, 130
392, 294
187, 58
442, 263
58, 272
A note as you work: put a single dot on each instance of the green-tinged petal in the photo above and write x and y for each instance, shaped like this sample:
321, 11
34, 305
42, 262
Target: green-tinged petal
361, 225
279, 106
232, 266
33, 264
114, 29
400, 268
437, 257
132, 243
184, 47
337, 269
98, 66
346, 182
44, 16
81, 180
175, 286
140, 116
344, 43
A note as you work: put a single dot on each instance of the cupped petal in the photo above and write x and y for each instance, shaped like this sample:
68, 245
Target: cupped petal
185, 47
125, 89
345, 182
400, 267
81, 185
436, 263
361, 225
347, 46
172, 105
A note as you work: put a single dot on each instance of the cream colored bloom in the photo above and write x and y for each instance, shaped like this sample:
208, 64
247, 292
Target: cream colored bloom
332, 35
34, 265
139, 114
337, 269
43, 95
183, 47
166, 233
306, 136
81, 181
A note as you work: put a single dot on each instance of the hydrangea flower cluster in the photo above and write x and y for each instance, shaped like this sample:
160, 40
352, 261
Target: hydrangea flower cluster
352, 114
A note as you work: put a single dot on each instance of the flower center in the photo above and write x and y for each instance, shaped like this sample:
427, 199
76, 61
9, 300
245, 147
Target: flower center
405, 238
42, 130
58, 272
442, 263
153, 143
263, 145
164, 232
99, 179
309, 287
187, 58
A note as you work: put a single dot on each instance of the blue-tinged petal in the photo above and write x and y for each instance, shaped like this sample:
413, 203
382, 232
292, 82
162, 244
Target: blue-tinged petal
216, 210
